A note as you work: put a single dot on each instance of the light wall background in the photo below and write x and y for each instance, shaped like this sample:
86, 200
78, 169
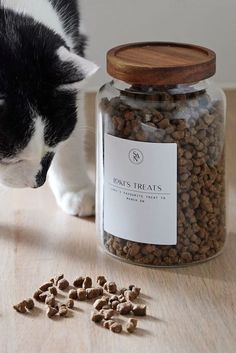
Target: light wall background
211, 23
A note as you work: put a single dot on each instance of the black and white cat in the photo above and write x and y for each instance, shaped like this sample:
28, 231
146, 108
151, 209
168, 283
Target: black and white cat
42, 71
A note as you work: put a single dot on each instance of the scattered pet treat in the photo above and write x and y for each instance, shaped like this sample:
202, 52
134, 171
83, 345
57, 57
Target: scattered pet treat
43, 296
124, 308
112, 326
110, 287
107, 314
121, 298
101, 280
107, 307
107, 324
53, 290
106, 298
96, 316
62, 310
139, 309
51, 311
114, 304
116, 327
37, 294
136, 290
45, 286
50, 300
73, 294
99, 303
87, 283
63, 284
70, 304
79, 282
93, 293
25, 305
56, 279
29, 304
130, 295
21, 307
81, 294
113, 298
122, 290
131, 325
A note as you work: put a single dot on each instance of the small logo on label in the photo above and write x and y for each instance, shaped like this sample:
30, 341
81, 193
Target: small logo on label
136, 156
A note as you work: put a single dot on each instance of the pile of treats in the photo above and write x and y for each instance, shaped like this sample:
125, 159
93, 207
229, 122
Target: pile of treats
108, 301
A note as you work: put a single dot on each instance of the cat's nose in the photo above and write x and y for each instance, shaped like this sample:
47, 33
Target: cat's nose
42, 174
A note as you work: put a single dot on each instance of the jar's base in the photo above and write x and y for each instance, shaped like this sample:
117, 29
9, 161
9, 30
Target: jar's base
178, 255
182, 265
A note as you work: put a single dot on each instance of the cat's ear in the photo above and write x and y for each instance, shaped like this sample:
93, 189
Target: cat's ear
76, 69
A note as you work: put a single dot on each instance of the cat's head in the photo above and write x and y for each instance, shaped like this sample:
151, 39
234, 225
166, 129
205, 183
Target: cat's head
39, 83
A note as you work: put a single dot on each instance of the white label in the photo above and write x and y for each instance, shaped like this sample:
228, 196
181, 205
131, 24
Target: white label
140, 190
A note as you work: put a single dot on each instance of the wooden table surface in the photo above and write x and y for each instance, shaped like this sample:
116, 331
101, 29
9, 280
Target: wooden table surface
190, 310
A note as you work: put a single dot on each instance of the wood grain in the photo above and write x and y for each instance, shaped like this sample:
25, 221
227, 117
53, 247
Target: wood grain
190, 310
160, 63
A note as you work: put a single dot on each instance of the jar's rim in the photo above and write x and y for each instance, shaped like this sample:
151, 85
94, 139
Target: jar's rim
153, 89
161, 63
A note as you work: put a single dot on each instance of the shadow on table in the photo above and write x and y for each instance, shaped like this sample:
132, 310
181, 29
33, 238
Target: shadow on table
69, 247
85, 249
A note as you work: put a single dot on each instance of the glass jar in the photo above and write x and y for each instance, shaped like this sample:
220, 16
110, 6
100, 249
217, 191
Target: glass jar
160, 156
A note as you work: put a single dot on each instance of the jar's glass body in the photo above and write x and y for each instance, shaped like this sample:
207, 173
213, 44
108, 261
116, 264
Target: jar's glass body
193, 118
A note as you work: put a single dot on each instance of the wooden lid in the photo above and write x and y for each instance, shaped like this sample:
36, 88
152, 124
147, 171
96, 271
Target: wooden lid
161, 63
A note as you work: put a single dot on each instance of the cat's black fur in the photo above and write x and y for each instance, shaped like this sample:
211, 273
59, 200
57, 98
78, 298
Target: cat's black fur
71, 21
42, 175
30, 72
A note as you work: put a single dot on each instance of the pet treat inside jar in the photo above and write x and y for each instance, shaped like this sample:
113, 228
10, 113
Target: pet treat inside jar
160, 155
